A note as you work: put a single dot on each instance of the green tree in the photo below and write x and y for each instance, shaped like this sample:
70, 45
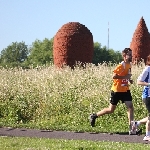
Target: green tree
14, 55
115, 56
41, 52
102, 54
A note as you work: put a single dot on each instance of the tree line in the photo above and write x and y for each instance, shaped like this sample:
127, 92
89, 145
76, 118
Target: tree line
18, 54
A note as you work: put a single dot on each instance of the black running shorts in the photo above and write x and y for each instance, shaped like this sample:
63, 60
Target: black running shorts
147, 103
120, 96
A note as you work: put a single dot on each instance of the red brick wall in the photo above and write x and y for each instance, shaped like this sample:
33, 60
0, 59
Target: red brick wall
73, 43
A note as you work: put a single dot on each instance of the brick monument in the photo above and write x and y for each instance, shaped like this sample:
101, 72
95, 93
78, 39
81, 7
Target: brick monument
140, 43
73, 43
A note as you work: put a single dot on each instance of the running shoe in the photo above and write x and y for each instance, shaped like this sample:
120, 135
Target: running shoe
92, 119
146, 138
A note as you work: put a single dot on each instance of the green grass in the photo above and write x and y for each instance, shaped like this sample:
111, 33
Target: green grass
62, 99
8, 143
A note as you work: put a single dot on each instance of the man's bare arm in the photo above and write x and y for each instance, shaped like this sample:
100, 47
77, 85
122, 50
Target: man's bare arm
116, 76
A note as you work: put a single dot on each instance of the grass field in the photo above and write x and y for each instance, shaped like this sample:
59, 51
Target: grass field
62, 99
15, 143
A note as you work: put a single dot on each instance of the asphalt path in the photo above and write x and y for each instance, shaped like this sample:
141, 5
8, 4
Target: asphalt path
69, 135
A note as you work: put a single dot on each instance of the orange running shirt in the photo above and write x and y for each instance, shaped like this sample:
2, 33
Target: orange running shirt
121, 85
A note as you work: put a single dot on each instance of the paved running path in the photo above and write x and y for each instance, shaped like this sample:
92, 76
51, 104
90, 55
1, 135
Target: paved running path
22, 132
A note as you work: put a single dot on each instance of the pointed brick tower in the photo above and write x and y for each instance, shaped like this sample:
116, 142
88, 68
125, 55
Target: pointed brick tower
140, 43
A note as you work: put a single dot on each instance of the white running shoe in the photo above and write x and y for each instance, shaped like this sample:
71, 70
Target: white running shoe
134, 128
131, 132
146, 138
134, 125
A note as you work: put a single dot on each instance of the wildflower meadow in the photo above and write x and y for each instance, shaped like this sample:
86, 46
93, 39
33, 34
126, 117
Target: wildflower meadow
53, 98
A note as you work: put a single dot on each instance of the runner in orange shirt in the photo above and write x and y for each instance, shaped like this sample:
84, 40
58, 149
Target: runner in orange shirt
120, 90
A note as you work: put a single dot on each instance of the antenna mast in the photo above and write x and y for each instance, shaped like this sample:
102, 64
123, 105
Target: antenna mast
108, 35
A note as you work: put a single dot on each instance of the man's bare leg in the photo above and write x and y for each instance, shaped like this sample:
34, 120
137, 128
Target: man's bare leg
107, 110
130, 111
148, 127
147, 137
104, 111
143, 121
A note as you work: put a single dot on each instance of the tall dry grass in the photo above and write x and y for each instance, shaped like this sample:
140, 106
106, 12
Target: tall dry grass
52, 98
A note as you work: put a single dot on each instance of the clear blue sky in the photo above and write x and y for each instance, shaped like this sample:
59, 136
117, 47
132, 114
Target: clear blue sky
28, 20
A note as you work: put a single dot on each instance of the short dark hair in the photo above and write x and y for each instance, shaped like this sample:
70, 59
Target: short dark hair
126, 50
148, 60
